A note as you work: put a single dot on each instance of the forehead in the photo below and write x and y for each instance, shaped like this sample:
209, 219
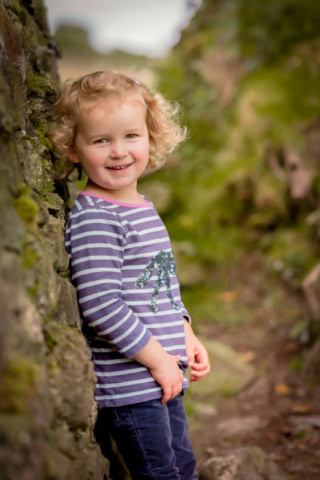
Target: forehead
104, 107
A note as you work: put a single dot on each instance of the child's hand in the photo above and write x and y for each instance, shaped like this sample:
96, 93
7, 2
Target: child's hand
169, 376
197, 355
163, 367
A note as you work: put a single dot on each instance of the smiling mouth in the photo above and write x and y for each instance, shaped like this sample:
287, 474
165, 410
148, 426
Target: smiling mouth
119, 167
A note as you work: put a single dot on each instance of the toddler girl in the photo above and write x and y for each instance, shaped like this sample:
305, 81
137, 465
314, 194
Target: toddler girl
122, 266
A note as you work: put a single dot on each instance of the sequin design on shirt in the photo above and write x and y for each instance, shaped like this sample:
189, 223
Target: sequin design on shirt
164, 262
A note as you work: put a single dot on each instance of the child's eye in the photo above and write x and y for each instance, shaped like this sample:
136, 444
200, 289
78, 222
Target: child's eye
132, 135
101, 140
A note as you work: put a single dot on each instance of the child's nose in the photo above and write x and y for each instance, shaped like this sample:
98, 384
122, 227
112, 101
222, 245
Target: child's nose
119, 149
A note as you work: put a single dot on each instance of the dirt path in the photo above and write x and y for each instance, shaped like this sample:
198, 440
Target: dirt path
279, 410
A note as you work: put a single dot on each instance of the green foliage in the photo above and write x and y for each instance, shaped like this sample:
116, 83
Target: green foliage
207, 304
270, 30
292, 252
226, 197
74, 39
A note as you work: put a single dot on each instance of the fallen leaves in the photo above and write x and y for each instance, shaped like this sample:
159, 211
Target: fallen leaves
301, 408
248, 356
229, 296
282, 389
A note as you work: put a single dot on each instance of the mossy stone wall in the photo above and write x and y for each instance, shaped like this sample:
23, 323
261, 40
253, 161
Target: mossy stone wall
46, 377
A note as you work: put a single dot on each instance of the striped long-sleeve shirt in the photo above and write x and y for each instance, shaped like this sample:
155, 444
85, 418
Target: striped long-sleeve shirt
123, 269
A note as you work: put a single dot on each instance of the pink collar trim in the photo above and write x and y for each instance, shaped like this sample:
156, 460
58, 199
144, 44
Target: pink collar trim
122, 204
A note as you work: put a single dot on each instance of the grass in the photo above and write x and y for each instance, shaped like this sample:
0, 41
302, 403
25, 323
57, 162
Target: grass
207, 303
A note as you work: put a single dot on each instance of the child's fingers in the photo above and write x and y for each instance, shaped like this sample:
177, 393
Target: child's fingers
171, 393
202, 371
197, 378
199, 373
190, 360
166, 395
202, 355
200, 366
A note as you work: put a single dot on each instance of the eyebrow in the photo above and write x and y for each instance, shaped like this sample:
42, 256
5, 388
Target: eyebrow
128, 130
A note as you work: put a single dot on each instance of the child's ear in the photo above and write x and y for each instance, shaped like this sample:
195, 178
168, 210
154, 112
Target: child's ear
73, 157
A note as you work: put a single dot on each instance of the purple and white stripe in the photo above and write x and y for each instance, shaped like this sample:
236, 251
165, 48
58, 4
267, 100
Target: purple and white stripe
109, 245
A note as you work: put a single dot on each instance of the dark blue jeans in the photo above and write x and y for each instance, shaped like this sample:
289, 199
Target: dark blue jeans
152, 438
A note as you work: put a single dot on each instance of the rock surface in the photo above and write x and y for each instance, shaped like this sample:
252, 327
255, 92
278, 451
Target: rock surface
46, 377
232, 372
249, 463
239, 425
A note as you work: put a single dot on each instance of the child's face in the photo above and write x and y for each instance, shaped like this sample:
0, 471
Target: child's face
112, 144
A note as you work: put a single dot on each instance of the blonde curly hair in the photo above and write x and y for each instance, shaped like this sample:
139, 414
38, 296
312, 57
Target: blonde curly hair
162, 116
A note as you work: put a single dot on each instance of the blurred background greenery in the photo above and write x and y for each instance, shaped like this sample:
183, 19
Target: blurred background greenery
245, 185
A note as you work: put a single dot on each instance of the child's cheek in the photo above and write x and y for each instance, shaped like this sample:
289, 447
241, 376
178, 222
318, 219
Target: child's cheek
97, 156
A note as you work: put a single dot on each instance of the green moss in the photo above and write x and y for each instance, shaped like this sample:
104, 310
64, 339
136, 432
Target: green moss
51, 332
29, 258
47, 186
39, 85
26, 207
47, 192
19, 11
41, 128
34, 289
50, 339
53, 365
41, 146
17, 384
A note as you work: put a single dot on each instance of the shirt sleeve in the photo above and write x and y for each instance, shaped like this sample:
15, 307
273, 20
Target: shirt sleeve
185, 312
96, 241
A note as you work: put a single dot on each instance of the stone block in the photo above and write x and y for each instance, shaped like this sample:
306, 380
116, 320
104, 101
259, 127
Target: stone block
248, 463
